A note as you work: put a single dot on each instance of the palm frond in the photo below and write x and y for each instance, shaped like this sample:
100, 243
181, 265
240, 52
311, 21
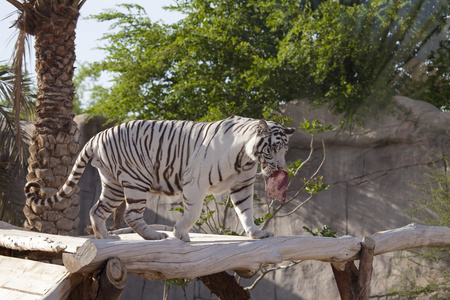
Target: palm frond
12, 156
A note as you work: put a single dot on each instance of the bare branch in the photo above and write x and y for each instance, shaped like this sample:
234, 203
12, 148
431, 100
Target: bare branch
295, 209
264, 273
309, 156
312, 176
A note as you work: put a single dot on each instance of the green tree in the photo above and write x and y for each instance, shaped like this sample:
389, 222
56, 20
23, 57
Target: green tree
247, 57
433, 84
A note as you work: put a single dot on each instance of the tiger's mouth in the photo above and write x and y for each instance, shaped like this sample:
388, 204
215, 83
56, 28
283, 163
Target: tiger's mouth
266, 170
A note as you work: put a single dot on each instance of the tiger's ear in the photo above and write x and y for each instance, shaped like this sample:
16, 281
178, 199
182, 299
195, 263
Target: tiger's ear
289, 130
263, 128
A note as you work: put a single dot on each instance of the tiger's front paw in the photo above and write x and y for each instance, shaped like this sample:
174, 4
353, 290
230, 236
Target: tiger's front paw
260, 234
184, 236
154, 235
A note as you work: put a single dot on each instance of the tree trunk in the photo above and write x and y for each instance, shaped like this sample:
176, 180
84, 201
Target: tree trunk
54, 143
225, 286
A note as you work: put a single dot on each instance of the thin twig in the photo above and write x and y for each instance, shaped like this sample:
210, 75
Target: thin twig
211, 217
264, 273
309, 156
312, 176
218, 212
295, 209
225, 212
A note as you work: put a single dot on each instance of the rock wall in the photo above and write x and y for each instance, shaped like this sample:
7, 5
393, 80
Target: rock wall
368, 173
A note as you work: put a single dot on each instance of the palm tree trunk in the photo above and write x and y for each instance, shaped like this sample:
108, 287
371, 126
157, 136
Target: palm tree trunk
54, 143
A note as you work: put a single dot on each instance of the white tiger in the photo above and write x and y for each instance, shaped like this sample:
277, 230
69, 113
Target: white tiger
176, 157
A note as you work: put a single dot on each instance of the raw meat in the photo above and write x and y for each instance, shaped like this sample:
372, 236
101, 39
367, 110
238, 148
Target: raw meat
276, 185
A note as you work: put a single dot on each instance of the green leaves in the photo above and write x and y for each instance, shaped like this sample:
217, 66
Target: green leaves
314, 127
293, 167
260, 220
323, 232
248, 57
315, 185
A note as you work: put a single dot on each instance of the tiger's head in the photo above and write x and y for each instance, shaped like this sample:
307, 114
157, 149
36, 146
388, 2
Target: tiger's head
272, 146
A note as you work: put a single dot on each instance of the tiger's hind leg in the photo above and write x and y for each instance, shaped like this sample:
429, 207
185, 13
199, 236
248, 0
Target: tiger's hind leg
110, 198
134, 214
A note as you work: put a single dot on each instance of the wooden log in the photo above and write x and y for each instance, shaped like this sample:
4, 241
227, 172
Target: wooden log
411, 236
365, 268
25, 240
113, 280
209, 254
172, 258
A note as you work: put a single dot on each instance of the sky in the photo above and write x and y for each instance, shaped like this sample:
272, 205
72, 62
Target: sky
87, 32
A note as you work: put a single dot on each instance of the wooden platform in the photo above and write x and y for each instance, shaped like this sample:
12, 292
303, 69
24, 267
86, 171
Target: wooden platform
22, 279
172, 258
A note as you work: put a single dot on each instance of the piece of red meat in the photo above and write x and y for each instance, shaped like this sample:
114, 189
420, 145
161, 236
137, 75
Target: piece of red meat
276, 185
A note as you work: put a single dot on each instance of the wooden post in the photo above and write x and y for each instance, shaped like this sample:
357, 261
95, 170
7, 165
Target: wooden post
354, 284
113, 280
365, 267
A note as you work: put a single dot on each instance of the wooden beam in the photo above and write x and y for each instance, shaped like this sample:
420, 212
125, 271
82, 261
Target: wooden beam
15, 238
209, 254
411, 236
172, 258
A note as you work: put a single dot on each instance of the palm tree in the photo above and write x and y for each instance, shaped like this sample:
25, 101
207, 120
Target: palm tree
54, 142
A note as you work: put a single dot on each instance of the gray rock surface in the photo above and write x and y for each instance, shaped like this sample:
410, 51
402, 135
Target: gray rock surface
368, 172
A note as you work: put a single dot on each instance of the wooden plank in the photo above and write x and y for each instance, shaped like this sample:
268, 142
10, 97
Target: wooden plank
29, 277
62, 289
17, 295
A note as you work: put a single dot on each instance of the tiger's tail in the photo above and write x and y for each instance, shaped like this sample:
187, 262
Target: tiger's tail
83, 159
